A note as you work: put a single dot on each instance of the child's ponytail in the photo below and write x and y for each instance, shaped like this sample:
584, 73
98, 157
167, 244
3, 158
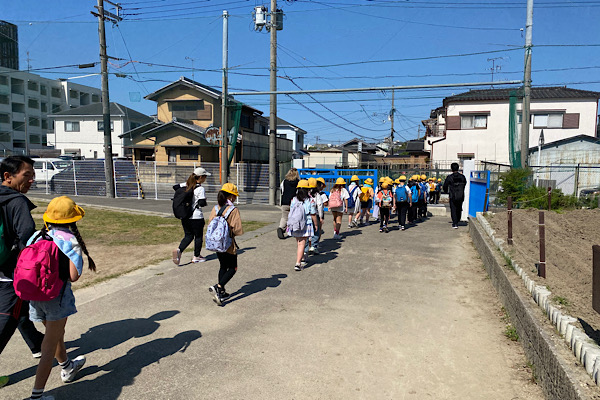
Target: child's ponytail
91, 263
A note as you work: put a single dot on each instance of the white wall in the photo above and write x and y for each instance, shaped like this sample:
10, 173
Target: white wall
330, 158
88, 139
491, 144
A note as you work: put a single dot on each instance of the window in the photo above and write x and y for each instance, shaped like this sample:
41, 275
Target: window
188, 154
33, 103
3, 99
44, 124
5, 118
101, 126
186, 109
473, 121
55, 92
19, 143
18, 107
55, 108
35, 139
33, 86
44, 107
33, 121
74, 94
17, 86
71, 126
550, 120
3, 80
43, 90
5, 137
246, 121
18, 126
44, 140
95, 98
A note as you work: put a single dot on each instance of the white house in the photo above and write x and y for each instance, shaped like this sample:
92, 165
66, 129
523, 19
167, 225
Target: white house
80, 131
475, 124
292, 132
27, 99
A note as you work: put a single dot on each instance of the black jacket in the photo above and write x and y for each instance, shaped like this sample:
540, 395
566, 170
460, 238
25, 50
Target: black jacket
454, 185
15, 210
289, 191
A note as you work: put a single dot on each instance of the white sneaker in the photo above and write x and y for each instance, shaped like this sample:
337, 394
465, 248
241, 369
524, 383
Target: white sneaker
69, 376
198, 259
311, 249
176, 256
316, 251
37, 355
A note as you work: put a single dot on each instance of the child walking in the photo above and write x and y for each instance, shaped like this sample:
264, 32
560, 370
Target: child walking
366, 200
228, 262
338, 204
309, 216
318, 200
193, 227
60, 224
353, 201
386, 203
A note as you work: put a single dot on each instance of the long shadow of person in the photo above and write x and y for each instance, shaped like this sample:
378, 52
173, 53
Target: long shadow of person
255, 286
594, 334
122, 371
106, 336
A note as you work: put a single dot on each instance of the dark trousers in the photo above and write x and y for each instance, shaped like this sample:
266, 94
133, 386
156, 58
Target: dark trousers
422, 208
402, 211
384, 216
455, 211
193, 230
14, 313
228, 263
412, 213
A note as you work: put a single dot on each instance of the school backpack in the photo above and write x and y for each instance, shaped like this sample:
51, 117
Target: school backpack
36, 275
218, 234
386, 198
182, 203
335, 199
351, 201
415, 193
296, 218
364, 195
401, 194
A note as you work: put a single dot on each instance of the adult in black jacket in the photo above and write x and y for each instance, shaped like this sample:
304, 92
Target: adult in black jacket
454, 185
17, 176
288, 191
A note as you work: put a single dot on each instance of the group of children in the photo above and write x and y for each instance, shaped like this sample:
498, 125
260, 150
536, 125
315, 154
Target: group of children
407, 197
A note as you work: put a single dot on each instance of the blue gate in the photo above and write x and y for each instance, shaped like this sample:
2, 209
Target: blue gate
330, 175
479, 192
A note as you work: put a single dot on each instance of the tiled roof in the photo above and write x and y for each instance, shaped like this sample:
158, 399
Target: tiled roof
537, 93
95, 110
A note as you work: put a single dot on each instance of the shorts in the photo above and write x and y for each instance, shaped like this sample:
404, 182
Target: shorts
55, 309
366, 204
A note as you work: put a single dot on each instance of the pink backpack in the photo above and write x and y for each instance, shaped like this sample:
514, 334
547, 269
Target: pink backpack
36, 276
335, 199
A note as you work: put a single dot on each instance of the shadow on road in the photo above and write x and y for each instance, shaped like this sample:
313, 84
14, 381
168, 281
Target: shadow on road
122, 371
255, 286
594, 334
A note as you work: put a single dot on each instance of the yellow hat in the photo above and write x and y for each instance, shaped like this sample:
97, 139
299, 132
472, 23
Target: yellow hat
397, 180
369, 181
402, 178
439, 179
230, 188
389, 180
423, 177
319, 179
312, 183
63, 210
354, 178
382, 179
384, 185
340, 181
303, 184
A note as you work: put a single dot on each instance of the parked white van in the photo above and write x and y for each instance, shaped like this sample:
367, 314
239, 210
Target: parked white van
46, 168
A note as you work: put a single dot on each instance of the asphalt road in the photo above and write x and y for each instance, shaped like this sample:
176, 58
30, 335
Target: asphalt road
403, 315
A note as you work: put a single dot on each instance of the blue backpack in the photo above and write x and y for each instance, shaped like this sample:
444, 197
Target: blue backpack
401, 195
351, 201
423, 190
218, 233
415, 193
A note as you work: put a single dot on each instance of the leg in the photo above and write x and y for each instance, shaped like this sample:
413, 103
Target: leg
453, 213
188, 234
198, 230
55, 332
300, 251
30, 334
228, 263
8, 316
285, 211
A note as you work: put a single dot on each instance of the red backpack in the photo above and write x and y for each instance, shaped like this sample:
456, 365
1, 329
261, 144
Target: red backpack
335, 199
36, 276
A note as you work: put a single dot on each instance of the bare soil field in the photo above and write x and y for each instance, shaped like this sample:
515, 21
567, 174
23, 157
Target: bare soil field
569, 239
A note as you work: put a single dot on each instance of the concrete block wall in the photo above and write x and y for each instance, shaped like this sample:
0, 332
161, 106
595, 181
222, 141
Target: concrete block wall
558, 375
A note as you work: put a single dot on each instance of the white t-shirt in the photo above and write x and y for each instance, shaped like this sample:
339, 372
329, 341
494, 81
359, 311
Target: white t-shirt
198, 194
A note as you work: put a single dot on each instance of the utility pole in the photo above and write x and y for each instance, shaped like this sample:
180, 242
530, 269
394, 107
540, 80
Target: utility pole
108, 161
273, 110
392, 119
26, 136
224, 116
526, 87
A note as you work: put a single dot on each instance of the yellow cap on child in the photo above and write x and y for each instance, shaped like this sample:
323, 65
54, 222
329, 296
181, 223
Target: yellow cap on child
63, 210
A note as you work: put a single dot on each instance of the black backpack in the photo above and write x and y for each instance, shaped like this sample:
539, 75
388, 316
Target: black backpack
182, 203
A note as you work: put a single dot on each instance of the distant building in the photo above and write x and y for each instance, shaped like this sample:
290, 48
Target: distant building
294, 133
26, 99
9, 45
80, 131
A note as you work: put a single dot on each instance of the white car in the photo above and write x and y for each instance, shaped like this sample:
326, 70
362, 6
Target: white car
46, 168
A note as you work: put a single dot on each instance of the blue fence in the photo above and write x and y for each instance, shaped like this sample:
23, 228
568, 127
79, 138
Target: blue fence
479, 192
330, 175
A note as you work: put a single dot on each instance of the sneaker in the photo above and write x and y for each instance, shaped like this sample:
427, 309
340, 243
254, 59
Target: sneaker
224, 295
401, 227
349, 225
336, 236
380, 229
455, 226
298, 267
3, 381
311, 250
385, 229
69, 376
315, 251
37, 355
303, 264
198, 259
280, 233
214, 290
176, 256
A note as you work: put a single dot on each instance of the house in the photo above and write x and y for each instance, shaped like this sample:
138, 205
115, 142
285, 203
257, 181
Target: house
355, 153
26, 100
475, 124
187, 128
294, 133
414, 156
80, 131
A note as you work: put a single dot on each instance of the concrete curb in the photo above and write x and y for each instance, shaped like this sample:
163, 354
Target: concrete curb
558, 376
113, 208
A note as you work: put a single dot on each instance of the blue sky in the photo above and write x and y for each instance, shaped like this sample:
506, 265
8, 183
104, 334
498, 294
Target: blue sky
317, 34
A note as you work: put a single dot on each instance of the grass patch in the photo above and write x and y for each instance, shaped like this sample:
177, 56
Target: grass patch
510, 332
531, 367
561, 300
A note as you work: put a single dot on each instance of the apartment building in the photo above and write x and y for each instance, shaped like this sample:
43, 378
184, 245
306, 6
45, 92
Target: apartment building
26, 99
